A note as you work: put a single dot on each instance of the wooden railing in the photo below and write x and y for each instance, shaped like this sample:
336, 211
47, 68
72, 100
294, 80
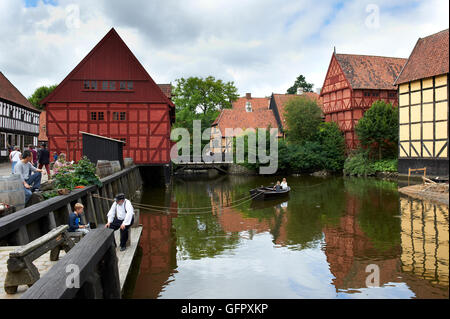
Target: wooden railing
89, 270
35, 221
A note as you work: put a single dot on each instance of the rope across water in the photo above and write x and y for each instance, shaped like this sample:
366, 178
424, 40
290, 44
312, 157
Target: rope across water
192, 210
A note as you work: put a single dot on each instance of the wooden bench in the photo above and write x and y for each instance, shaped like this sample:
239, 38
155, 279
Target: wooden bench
22, 271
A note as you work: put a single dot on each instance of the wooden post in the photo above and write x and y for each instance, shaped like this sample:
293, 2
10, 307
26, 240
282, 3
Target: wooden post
51, 221
91, 209
105, 203
98, 207
92, 288
110, 274
20, 236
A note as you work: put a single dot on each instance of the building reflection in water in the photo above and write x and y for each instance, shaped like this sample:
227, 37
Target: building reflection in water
425, 240
159, 251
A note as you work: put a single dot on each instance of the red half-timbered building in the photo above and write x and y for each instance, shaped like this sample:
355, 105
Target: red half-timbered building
109, 93
352, 84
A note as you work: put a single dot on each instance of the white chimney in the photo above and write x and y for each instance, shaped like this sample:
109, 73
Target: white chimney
299, 91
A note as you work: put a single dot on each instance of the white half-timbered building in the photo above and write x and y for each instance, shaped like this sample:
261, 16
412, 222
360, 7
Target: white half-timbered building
19, 119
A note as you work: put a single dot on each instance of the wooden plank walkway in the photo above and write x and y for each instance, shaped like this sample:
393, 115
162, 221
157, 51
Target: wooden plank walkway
126, 257
43, 263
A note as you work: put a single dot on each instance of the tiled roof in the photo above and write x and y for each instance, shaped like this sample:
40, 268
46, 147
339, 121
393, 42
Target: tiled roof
43, 127
428, 58
370, 72
9, 92
167, 89
237, 117
282, 99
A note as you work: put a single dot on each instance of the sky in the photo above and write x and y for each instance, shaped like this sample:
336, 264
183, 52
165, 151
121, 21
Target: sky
260, 45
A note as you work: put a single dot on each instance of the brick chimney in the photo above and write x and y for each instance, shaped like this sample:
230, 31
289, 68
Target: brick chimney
248, 96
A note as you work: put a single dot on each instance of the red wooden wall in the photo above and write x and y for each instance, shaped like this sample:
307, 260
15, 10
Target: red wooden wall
148, 112
344, 105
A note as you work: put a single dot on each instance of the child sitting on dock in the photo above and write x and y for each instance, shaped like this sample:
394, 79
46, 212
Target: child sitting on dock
75, 224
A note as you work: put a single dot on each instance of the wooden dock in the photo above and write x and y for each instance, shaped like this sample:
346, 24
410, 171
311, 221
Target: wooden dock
43, 263
126, 257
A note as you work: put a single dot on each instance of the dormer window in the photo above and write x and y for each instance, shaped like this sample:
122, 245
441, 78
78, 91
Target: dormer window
248, 107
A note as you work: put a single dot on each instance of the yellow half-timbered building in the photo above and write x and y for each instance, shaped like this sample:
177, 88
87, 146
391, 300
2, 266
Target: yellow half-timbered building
423, 106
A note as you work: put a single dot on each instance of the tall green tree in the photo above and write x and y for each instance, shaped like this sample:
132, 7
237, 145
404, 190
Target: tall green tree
39, 94
303, 117
300, 82
377, 130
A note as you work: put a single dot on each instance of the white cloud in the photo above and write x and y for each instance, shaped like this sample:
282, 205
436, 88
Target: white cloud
261, 45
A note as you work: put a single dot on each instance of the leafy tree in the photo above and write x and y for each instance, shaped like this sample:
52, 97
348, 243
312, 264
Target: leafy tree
300, 82
39, 94
377, 130
204, 95
303, 117
332, 141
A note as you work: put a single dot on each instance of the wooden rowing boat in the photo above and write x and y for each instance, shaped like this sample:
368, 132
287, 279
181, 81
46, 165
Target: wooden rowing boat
268, 193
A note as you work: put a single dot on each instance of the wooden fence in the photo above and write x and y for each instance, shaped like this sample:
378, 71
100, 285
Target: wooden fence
35, 221
88, 271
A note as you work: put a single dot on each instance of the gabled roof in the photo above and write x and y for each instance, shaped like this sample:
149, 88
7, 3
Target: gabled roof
237, 117
10, 93
282, 99
370, 72
111, 50
428, 58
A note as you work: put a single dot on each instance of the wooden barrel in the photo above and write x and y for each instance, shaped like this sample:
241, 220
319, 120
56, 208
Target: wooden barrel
12, 191
128, 162
104, 168
116, 166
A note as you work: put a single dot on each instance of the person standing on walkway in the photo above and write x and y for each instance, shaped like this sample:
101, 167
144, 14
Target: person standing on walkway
44, 159
23, 169
35, 157
121, 216
15, 156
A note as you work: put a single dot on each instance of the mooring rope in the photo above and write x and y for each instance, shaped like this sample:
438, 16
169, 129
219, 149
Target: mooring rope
200, 209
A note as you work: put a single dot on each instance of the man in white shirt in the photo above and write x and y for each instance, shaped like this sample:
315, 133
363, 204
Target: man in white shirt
121, 216
15, 156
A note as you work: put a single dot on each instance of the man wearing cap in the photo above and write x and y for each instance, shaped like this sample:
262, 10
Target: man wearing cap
121, 216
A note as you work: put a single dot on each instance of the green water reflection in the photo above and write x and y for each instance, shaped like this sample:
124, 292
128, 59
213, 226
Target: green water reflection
316, 243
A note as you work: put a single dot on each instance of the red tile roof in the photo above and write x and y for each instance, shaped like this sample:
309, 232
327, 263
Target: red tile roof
282, 99
43, 127
167, 89
428, 58
9, 92
237, 117
370, 72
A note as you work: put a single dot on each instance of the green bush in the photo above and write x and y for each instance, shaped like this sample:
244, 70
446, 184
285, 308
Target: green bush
79, 174
358, 165
389, 165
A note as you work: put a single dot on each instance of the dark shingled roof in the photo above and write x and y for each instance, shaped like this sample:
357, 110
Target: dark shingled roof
10, 93
428, 58
370, 72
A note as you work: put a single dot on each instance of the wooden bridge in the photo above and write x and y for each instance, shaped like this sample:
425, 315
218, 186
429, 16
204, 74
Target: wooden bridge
221, 167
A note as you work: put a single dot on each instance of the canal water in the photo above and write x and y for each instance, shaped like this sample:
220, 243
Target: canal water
331, 238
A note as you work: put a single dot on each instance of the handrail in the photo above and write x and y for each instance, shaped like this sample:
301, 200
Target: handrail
80, 263
13, 222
